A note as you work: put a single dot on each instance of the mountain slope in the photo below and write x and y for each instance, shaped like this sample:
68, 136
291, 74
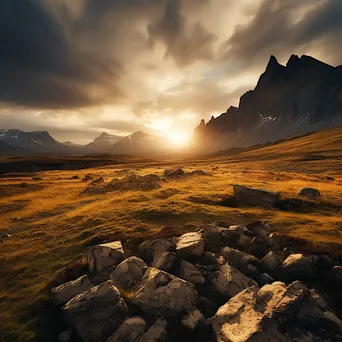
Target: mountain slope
301, 97
140, 143
103, 142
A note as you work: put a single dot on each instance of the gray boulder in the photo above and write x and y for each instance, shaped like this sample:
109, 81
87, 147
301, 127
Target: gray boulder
297, 267
238, 259
63, 293
164, 260
131, 330
174, 172
193, 319
157, 333
310, 193
277, 313
160, 292
105, 256
150, 248
190, 273
190, 244
257, 197
270, 261
97, 313
229, 281
128, 273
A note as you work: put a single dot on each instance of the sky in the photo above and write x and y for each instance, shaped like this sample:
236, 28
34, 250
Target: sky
78, 68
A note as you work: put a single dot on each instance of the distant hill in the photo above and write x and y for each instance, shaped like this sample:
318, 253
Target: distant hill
14, 142
303, 96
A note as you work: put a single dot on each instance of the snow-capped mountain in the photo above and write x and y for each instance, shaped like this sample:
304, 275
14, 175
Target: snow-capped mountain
104, 142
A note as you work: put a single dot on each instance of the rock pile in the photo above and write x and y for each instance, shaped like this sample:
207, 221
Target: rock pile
224, 283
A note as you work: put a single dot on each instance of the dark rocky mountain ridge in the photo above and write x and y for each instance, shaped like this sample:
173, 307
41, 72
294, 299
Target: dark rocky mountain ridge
303, 96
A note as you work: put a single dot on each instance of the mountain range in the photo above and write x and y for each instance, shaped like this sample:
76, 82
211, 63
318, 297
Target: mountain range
301, 97
16, 142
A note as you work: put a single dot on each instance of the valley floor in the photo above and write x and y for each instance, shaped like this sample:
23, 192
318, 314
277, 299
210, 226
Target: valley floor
46, 223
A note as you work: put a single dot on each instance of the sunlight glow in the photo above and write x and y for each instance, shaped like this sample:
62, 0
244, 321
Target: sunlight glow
179, 139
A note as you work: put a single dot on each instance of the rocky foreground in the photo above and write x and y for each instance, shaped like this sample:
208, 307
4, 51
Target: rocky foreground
222, 283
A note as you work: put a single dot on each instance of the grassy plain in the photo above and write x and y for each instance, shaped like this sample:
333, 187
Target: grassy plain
50, 224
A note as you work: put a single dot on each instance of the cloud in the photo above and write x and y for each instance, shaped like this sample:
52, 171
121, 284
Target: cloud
88, 65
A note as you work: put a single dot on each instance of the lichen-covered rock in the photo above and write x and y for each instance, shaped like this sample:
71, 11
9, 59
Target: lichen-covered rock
97, 313
162, 293
310, 193
190, 244
193, 319
157, 333
164, 260
105, 256
128, 273
230, 281
63, 293
257, 197
190, 273
297, 267
335, 276
276, 312
131, 330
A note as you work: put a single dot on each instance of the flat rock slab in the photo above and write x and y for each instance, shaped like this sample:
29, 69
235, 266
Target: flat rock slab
131, 330
107, 255
63, 293
257, 197
97, 313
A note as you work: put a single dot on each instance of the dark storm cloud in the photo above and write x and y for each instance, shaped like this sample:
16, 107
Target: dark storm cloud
39, 67
184, 41
285, 27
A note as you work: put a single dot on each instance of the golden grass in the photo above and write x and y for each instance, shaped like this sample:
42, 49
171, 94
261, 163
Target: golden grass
50, 223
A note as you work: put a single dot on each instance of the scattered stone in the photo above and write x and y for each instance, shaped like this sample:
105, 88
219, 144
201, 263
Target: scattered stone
65, 336
258, 197
135, 182
63, 293
131, 330
275, 312
162, 293
238, 259
164, 260
173, 172
105, 256
128, 273
310, 193
157, 333
190, 244
297, 267
190, 273
230, 281
97, 313
199, 173
193, 319
264, 279
149, 249
87, 178
270, 262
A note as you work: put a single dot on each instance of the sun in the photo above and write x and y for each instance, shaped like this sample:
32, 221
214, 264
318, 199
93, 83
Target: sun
179, 138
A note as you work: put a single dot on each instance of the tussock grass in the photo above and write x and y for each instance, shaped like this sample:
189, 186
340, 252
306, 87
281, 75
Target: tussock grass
50, 223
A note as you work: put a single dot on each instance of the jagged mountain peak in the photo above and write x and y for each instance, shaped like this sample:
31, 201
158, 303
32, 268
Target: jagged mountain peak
303, 96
